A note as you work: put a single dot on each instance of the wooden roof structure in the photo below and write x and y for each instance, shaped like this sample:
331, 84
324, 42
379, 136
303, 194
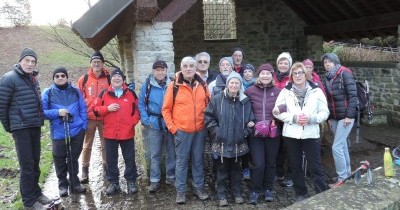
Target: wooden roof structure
331, 19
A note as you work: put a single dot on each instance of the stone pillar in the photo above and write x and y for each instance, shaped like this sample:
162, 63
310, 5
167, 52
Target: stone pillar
151, 42
398, 41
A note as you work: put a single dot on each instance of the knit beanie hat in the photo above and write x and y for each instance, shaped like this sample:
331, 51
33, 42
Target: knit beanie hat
237, 49
248, 66
285, 55
229, 59
97, 55
27, 52
333, 57
266, 67
308, 62
117, 71
234, 75
60, 70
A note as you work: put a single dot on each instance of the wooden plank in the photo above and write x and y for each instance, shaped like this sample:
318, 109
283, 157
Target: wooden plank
304, 15
174, 10
360, 24
355, 8
339, 8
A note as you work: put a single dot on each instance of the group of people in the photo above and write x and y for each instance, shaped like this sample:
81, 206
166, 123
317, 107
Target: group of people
229, 108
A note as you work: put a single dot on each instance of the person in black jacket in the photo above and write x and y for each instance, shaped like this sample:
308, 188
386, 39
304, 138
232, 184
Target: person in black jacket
229, 118
21, 114
341, 93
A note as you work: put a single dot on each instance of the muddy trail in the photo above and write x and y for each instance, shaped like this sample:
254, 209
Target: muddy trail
164, 198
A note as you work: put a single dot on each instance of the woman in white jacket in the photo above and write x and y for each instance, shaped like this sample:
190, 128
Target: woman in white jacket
301, 105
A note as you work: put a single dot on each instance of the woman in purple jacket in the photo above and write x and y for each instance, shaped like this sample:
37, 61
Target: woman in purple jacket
263, 150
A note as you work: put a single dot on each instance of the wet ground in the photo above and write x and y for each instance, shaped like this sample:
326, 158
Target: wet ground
370, 146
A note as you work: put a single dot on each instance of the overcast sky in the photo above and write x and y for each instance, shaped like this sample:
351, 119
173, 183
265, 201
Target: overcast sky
51, 11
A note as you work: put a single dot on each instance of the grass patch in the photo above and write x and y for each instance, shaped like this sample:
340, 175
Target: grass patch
9, 186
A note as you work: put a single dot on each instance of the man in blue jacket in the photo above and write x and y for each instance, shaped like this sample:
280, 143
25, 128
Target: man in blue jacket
21, 114
150, 103
65, 108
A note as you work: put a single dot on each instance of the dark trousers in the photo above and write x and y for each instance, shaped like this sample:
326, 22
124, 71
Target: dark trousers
229, 168
263, 153
128, 152
63, 164
312, 148
27, 144
282, 165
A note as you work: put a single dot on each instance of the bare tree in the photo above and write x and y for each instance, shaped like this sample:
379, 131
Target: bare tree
17, 12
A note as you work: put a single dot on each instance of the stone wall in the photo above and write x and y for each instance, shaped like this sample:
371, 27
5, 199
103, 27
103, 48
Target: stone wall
383, 79
264, 30
151, 42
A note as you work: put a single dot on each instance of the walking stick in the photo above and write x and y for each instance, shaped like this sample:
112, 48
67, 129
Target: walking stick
70, 167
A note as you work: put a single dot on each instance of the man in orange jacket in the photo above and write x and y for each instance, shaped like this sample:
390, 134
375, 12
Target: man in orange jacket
185, 101
90, 85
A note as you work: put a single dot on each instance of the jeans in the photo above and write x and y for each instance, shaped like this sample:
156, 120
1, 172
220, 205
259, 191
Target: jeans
88, 142
340, 148
189, 145
232, 169
157, 139
312, 149
263, 152
62, 163
128, 152
27, 145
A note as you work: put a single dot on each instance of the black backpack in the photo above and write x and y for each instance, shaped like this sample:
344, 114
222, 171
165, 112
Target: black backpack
362, 94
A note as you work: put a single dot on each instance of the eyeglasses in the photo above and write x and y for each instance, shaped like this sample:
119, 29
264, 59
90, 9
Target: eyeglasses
58, 76
202, 61
298, 74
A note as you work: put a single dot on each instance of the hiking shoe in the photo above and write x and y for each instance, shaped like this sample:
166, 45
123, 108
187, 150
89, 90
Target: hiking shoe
246, 173
253, 197
153, 187
201, 194
42, 199
63, 191
268, 196
113, 189
132, 187
85, 175
223, 202
170, 181
180, 198
287, 183
239, 200
80, 189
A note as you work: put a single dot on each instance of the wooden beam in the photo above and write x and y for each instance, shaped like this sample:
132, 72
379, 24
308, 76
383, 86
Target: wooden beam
314, 10
339, 8
309, 19
355, 8
360, 24
367, 5
174, 10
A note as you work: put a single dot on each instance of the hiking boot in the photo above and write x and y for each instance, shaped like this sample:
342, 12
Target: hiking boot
201, 194
85, 175
253, 198
63, 191
268, 196
180, 198
132, 187
80, 189
287, 183
223, 202
42, 199
239, 200
170, 181
246, 173
113, 189
153, 187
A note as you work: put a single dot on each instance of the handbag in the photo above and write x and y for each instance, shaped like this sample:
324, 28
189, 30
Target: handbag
273, 130
262, 128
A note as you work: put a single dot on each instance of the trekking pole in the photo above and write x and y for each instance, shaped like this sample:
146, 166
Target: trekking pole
369, 111
69, 157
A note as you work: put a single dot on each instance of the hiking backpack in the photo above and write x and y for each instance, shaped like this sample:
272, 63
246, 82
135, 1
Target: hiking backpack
362, 93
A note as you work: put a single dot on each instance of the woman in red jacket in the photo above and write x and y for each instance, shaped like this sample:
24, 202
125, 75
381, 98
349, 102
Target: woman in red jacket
119, 107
